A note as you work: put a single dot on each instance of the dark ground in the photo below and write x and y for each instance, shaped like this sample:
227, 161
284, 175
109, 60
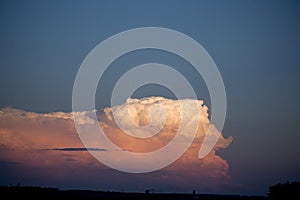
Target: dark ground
47, 193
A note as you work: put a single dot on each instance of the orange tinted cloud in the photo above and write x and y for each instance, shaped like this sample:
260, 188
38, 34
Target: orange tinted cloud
46, 146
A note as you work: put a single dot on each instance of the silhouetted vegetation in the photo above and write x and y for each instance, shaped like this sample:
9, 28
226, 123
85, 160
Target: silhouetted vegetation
285, 191
46, 193
279, 191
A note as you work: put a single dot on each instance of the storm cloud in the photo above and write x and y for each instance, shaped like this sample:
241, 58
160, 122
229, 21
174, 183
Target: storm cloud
24, 137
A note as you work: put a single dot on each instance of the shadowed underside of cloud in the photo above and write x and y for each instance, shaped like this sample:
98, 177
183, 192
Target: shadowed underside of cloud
67, 163
77, 149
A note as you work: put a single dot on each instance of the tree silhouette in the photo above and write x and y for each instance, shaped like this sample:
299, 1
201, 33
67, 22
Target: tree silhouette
285, 191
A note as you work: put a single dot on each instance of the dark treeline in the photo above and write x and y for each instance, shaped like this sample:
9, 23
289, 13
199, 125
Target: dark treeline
278, 191
40, 193
285, 191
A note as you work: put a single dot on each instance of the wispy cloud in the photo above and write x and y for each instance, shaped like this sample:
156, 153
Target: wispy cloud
77, 149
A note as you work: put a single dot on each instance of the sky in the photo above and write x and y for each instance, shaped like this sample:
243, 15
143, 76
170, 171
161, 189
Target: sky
255, 44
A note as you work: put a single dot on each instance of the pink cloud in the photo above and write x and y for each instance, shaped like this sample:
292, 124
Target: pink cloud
40, 144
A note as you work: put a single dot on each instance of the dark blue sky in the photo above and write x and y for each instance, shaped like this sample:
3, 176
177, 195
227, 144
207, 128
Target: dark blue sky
255, 44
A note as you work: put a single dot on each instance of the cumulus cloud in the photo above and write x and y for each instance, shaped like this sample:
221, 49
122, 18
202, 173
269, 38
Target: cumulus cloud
165, 117
47, 146
143, 117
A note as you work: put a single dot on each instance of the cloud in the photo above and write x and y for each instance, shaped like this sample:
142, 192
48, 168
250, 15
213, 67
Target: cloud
11, 112
142, 117
77, 149
67, 163
163, 116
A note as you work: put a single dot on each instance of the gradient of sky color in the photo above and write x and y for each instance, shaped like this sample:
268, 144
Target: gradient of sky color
255, 44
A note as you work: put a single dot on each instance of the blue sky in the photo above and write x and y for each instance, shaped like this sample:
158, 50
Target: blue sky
255, 44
